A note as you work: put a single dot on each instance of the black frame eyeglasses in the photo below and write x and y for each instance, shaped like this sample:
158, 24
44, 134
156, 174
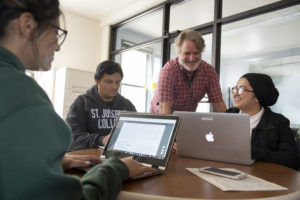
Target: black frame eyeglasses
239, 90
61, 34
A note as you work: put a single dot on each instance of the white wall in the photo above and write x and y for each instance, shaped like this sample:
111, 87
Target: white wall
82, 47
87, 42
85, 47
104, 42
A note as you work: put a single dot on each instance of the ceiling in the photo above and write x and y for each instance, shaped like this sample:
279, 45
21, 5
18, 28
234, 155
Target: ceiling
107, 11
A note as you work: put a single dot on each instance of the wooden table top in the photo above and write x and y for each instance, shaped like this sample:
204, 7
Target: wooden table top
178, 182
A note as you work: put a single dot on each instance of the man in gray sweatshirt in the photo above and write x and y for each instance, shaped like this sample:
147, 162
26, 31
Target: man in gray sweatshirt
93, 114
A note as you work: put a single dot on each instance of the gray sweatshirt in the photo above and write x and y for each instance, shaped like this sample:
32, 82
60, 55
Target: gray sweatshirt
91, 119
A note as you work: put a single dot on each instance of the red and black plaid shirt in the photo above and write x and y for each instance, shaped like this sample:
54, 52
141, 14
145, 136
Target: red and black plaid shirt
173, 87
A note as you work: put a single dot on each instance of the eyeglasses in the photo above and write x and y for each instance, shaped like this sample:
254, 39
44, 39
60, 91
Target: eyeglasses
239, 90
61, 34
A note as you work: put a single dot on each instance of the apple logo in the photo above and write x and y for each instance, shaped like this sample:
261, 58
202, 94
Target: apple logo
210, 137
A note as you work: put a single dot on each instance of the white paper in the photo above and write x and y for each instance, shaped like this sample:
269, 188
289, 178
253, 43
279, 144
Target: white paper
250, 183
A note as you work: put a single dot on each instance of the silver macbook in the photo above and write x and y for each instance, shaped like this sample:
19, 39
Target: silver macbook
223, 137
147, 137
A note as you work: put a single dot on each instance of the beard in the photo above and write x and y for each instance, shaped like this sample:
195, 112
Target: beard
190, 69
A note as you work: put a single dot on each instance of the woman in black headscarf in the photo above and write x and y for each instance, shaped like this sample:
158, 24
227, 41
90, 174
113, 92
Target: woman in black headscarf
272, 139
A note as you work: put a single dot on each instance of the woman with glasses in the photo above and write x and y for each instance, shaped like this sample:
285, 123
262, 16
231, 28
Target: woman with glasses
33, 138
272, 139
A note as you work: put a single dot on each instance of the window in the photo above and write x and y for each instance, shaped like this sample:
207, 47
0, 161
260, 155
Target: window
143, 29
191, 13
138, 67
231, 7
270, 44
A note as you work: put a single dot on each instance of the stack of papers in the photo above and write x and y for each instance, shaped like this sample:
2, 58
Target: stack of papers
250, 183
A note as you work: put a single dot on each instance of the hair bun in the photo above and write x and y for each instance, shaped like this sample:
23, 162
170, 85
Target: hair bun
263, 87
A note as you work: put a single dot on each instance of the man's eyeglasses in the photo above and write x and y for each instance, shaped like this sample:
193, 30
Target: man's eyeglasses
239, 90
61, 34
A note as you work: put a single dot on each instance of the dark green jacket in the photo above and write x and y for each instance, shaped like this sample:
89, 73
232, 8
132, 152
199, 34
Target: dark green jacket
273, 141
33, 141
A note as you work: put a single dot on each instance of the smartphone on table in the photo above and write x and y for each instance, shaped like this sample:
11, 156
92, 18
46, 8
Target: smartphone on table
223, 173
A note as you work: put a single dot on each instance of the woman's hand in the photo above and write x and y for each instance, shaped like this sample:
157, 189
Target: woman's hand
70, 161
135, 168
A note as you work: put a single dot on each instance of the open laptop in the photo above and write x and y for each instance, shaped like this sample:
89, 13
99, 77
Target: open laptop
147, 137
221, 137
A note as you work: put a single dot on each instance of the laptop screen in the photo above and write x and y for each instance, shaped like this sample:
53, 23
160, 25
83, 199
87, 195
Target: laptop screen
146, 137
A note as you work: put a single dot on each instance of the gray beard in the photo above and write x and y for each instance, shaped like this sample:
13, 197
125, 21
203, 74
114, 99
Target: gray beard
187, 68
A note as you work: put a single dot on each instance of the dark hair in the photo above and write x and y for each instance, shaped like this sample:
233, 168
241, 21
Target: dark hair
108, 67
263, 87
43, 11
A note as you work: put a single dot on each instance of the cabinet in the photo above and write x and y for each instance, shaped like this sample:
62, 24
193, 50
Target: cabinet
69, 84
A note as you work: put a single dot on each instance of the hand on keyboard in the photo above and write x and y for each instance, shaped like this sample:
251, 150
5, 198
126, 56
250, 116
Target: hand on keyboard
135, 168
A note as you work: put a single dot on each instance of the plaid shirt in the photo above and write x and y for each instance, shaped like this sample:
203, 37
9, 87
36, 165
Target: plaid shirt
173, 87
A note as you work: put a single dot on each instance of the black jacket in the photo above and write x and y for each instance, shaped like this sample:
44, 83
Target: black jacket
91, 119
273, 140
